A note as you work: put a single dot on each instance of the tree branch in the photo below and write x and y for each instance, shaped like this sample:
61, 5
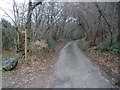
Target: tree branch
8, 15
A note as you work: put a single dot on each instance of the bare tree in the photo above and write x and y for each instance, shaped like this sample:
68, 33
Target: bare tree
31, 6
109, 26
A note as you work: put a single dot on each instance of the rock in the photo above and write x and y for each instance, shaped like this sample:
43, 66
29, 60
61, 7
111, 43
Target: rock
95, 48
9, 64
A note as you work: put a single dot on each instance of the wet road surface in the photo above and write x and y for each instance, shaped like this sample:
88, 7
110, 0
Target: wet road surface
75, 70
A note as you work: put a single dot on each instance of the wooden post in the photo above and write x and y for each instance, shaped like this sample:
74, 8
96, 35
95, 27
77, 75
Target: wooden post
26, 46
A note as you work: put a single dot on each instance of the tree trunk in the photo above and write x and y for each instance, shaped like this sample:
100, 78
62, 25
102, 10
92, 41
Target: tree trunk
109, 26
94, 40
29, 15
118, 37
31, 6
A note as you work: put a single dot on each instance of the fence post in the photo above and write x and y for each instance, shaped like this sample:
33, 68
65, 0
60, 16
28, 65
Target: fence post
26, 46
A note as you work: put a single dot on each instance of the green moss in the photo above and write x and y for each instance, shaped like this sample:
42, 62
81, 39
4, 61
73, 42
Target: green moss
51, 43
105, 46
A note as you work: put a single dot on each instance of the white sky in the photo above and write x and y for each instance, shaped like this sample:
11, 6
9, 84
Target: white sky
7, 5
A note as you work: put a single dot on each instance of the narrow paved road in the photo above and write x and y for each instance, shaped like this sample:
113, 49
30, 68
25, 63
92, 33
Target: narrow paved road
75, 70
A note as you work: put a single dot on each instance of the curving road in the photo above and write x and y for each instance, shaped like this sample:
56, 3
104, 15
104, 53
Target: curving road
75, 70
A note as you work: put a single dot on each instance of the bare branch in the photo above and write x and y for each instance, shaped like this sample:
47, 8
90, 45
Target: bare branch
8, 15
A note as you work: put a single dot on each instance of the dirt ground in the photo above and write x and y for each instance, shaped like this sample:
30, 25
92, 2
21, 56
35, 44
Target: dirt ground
37, 74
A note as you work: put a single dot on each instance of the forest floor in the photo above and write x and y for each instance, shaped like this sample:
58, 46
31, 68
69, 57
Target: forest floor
39, 72
107, 62
35, 75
